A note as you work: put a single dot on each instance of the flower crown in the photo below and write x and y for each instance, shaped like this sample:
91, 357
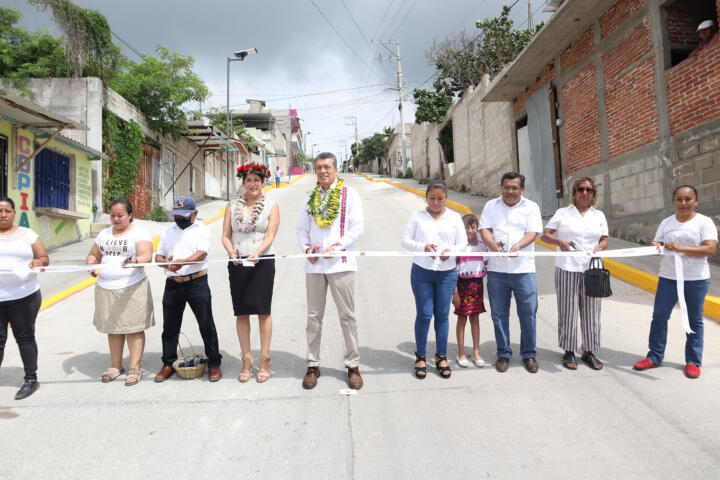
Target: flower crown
261, 170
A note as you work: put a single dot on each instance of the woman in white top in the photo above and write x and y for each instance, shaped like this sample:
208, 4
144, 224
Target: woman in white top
577, 227
123, 299
249, 229
20, 299
433, 279
695, 237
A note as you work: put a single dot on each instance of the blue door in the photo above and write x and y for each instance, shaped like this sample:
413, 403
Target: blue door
52, 180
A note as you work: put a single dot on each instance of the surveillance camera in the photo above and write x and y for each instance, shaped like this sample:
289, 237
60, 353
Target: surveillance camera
241, 54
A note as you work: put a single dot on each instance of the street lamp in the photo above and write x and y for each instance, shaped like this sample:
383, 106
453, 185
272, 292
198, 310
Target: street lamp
239, 56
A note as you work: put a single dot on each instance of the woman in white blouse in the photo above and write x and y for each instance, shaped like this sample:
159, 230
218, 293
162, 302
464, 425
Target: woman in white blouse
20, 299
577, 227
433, 278
123, 298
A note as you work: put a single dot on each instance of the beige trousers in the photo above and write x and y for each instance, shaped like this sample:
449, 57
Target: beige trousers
342, 287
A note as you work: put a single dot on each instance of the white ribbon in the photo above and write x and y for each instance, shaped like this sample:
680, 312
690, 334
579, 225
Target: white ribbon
680, 285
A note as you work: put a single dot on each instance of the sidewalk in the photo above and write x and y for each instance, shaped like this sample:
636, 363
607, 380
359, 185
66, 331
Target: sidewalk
75, 253
476, 203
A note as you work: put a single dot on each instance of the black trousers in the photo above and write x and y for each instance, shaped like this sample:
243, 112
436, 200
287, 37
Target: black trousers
195, 293
21, 315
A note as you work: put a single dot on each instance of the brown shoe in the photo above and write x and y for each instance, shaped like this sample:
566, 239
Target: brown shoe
531, 365
355, 381
215, 374
311, 376
165, 372
501, 365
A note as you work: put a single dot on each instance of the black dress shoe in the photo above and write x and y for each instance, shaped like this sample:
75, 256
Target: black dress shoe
27, 389
501, 365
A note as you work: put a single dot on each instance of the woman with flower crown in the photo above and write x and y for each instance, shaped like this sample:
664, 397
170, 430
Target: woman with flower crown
249, 227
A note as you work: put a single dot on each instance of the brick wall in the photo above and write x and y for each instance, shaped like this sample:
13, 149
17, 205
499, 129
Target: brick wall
693, 87
617, 15
682, 22
547, 75
142, 196
582, 133
630, 92
580, 47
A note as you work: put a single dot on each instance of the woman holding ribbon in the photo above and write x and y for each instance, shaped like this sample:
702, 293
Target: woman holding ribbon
20, 299
581, 227
694, 237
249, 229
123, 298
433, 278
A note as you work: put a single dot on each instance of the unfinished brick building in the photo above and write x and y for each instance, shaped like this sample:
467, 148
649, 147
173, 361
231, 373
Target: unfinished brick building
607, 89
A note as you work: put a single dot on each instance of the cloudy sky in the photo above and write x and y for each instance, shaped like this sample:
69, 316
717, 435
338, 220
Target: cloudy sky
315, 56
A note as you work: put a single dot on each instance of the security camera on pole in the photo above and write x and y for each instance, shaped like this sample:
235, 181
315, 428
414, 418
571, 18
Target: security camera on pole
396, 56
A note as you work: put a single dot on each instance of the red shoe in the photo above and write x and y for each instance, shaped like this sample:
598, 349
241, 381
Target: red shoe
644, 364
692, 371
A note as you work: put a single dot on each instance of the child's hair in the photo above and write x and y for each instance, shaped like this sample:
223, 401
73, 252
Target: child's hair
469, 219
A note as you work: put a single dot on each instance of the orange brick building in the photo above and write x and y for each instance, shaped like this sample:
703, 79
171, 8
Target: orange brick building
607, 89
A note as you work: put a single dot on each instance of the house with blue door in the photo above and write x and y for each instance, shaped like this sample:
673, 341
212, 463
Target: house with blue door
47, 174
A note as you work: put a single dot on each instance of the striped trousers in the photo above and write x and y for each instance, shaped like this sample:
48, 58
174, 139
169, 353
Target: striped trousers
571, 300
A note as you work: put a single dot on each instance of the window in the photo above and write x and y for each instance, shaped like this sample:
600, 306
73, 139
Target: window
682, 18
52, 180
3, 166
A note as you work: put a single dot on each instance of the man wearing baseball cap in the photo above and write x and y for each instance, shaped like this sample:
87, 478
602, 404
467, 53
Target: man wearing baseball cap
186, 241
708, 33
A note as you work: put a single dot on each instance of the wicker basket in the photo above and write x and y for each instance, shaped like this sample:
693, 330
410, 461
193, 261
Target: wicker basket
189, 373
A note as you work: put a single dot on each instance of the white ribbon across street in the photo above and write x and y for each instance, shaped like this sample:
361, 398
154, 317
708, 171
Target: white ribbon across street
23, 270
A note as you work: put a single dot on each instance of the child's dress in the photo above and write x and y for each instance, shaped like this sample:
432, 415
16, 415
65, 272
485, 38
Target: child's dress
471, 271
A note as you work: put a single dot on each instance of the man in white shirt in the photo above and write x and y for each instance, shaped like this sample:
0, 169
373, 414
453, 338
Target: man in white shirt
510, 223
186, 241
330, 220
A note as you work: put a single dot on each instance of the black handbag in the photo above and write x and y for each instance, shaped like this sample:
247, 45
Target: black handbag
597, 279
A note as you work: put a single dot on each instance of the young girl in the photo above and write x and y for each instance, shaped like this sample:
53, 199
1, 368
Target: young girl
468, 296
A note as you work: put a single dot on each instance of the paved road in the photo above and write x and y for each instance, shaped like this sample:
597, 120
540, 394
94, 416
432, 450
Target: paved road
556, 424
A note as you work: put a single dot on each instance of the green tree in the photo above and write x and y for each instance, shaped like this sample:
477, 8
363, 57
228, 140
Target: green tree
26, 54
432, 106
299, 159
122, 143
372, 147
159, 86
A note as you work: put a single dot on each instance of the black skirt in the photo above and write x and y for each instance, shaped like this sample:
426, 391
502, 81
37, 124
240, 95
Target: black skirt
251, 288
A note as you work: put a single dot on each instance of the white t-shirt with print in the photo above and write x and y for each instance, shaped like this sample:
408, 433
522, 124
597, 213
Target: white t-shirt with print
115, 250
16, 254
688, 234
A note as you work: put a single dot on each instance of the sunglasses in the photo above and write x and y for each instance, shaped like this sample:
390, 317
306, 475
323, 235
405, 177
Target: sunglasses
585, 190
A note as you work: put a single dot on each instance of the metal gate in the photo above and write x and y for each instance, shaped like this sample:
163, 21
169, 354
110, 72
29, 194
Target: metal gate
3, 166
168, 165
540, 171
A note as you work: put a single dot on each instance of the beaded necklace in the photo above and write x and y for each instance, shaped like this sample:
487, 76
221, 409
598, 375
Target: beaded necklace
247, 226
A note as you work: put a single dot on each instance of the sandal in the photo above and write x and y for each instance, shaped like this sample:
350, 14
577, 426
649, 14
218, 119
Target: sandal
133, 377
591, 361
245, 374
264, 374
111, 374
569, 361
420, 372
445, 371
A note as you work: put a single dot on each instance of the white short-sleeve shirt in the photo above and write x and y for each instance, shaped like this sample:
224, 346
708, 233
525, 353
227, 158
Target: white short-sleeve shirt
180, 243
687, 234
509, 225
583, 230
16, 254
115, 250
447, 231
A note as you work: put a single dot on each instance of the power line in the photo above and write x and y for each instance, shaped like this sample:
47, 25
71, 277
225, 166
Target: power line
469, 14
142, 56
355, 22
383, 19
387, 27
397, 29
299, 95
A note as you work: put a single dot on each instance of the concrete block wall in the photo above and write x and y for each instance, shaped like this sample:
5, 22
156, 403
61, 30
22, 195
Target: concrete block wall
418, 139
462, 134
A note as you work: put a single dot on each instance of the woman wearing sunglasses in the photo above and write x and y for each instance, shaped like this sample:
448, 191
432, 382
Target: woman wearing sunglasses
578, 226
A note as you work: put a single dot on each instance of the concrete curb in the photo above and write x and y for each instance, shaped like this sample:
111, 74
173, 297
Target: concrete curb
49, 302
619, 270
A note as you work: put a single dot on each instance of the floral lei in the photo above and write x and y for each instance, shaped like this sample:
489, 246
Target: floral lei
239, 213
326, 210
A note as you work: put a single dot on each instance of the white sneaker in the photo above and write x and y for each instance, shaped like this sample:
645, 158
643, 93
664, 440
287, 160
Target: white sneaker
462, 363
479, 363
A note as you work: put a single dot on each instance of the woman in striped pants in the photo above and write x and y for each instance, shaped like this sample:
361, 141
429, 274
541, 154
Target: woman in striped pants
577, 227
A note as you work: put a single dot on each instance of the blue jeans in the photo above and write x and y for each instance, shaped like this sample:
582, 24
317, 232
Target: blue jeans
433, 292
665, 299
524, 286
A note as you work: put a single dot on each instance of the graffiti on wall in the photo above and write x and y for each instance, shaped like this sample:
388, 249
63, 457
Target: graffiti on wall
24, 150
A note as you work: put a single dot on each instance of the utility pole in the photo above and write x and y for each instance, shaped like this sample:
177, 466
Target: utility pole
352, 120
396, 56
